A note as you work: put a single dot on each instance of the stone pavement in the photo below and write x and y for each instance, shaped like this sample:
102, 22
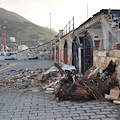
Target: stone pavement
36, 105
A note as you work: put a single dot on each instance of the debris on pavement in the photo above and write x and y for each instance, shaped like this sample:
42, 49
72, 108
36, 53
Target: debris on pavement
20, 79
116, 101
114, 93
67, 85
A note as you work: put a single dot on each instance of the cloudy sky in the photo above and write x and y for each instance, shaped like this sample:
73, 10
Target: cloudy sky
62, 11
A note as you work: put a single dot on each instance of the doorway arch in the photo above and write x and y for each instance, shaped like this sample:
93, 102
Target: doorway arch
57, 54
87, 52
75, 55
65, 52
53, 53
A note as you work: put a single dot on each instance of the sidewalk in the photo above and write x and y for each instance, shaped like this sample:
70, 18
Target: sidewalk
36, 105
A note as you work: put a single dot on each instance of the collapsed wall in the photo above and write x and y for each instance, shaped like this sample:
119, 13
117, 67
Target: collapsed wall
40, 52
102, 58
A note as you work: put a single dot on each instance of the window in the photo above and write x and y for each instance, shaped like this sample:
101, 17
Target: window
97, 43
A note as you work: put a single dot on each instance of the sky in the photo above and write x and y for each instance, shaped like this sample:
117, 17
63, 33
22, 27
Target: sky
62, 11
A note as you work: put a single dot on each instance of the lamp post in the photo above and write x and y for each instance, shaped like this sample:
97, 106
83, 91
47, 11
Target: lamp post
4, 40
50, 38
50, 26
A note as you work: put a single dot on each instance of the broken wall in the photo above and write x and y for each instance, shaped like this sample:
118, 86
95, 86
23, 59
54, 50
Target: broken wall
102, 58
40, 52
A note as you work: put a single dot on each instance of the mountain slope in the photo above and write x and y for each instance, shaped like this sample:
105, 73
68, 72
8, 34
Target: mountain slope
24, 31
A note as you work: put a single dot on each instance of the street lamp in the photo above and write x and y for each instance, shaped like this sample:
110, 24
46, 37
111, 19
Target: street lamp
50, 26
50, 38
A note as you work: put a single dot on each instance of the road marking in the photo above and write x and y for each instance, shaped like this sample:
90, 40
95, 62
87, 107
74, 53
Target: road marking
8, 66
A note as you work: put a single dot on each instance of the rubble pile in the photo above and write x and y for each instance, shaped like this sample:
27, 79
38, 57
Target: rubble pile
67, 85
19, 79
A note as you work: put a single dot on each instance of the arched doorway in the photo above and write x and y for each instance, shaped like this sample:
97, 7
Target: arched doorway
65, 52
87, 52
57, 54
75, 57
52, 53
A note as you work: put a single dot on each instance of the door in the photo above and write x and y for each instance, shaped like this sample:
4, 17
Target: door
65, 52
57, 54
87, 52
75, 57
52, 53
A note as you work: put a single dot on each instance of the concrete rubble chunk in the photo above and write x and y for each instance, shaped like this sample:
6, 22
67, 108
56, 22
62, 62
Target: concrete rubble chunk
19, 79
116, 102
114, 93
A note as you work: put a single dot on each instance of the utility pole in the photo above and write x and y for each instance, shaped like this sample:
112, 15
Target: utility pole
87, 11
50, 26
4, 41
50, 38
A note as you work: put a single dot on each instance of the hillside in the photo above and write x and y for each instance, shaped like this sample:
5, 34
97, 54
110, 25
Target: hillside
24, 31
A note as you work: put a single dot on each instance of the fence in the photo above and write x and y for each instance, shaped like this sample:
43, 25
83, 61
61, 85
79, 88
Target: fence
69, 27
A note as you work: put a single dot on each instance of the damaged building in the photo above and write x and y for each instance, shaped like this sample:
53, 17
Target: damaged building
95, 42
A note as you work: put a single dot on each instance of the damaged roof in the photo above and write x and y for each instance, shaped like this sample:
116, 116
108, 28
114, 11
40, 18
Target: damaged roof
102, 11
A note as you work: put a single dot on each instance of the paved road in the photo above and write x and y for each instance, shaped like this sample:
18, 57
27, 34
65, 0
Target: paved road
36, 105
7, 65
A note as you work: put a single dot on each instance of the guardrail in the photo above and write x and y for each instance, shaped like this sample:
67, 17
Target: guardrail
69, 27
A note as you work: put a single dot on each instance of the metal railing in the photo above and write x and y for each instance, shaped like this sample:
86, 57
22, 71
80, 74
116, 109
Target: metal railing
69, 27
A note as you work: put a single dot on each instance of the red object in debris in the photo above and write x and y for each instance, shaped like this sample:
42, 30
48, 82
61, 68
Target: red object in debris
4, 39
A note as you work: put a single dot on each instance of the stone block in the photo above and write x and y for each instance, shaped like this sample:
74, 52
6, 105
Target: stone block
118, 69
114, 93
104, 60
94, 53
95, 59
110, 54
117, 53
108, 60
114, 59
102, 53
103, 65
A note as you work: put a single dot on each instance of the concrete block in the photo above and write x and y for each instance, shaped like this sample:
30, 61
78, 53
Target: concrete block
95, 59
102, 53
104, 60
118, 69
94, 53
110, 54
108, 60
117, 53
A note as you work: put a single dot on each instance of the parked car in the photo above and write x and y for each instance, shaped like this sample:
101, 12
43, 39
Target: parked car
8, 56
